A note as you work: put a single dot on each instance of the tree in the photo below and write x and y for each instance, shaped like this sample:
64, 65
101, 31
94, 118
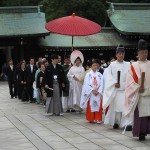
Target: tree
94, 10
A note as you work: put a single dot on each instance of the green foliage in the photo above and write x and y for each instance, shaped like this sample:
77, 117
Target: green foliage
94, 10
129, 1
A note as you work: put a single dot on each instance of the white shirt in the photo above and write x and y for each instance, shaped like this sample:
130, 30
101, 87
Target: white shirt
31, 67
11, 66
54, 65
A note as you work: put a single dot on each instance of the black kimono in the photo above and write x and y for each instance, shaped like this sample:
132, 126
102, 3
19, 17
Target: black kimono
101, 71
39, 82
54, 78
22, 87
49, 78
40, 86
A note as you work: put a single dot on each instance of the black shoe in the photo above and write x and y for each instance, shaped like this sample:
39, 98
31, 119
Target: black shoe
44, 102
56, 114
116, 126
129, 128
15, 96
12, 97
68, 111
142, 137
73, 110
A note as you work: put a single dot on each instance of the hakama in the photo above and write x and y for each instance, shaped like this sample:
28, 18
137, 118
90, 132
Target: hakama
54, 104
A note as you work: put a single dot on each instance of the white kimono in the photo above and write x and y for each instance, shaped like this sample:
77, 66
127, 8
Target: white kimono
87, 89
115, 97
75, 86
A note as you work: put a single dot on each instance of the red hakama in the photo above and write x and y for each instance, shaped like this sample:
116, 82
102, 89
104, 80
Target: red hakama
93, 116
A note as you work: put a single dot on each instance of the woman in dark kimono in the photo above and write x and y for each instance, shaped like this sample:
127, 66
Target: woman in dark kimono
22, 81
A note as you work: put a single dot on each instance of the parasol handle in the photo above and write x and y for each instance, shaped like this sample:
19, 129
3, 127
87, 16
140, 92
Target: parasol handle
72, 44
142, 79
73, 14
118, 77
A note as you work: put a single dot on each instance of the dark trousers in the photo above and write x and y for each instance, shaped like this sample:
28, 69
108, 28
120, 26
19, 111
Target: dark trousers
21, 88
12, 88
30, 90
24, 96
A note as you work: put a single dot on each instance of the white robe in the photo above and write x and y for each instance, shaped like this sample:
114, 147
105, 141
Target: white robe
133, 97
115, 97
87, 88
105, 76
75, 87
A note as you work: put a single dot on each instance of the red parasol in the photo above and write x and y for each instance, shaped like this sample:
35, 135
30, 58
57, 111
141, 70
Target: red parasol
73, 26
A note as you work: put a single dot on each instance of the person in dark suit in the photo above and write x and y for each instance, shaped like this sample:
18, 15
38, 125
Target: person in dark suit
31, 69
99, 68
66, 66
39, 83
54, 80
22, 82
11, 74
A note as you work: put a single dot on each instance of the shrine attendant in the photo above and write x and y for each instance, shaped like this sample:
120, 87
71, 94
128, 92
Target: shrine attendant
137, 92
91, 97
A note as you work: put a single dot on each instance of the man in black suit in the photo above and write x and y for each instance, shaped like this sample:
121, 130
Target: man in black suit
11, 74
31, 69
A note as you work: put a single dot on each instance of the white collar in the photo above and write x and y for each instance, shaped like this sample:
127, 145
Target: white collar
119, 62
93, 72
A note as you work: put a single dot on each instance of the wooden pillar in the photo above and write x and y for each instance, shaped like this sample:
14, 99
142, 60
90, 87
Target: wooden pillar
9, 53
21, 50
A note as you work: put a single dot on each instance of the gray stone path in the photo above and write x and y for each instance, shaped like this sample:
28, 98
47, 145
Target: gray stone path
25, 126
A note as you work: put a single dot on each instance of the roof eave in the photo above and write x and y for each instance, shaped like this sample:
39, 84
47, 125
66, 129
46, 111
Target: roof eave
129, 4
25, 35
131, 33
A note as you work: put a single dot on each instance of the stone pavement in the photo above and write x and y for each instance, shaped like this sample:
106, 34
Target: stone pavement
25, 126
